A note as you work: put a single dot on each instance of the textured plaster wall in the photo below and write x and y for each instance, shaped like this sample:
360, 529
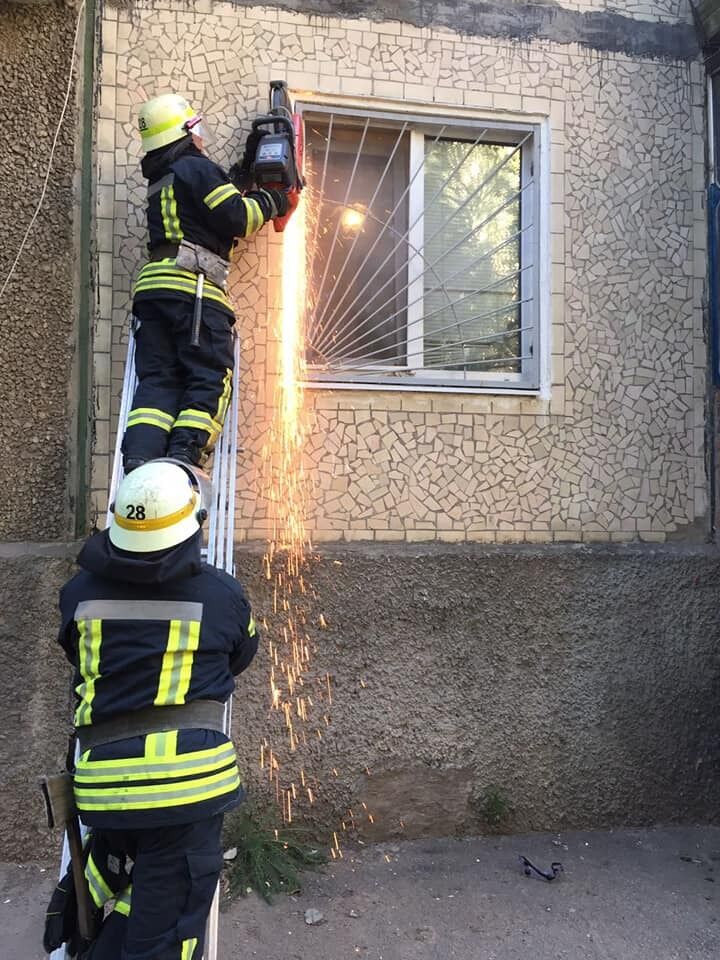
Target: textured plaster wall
37, 318
583, 682
35, 687
613, 450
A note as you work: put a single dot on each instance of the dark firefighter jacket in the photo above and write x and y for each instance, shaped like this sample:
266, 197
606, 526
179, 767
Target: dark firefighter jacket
147, 630
192, 198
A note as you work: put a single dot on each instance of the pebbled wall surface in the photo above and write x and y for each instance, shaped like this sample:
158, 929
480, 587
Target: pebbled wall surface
37, 324
581, 682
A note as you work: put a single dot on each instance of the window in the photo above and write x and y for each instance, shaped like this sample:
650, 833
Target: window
422, 251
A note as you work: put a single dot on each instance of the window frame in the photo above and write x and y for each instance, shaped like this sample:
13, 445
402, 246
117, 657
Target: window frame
535, 244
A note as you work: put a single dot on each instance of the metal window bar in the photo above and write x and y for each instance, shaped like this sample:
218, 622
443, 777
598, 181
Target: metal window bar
394, 210
347, 327
218, 552
498, 311
372, 200
442, 287
483, 183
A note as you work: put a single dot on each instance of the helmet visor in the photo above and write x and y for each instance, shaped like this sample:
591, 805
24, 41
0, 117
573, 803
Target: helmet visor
198, 127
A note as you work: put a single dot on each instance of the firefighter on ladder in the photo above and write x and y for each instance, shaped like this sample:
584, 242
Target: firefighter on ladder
182, 317
156, 638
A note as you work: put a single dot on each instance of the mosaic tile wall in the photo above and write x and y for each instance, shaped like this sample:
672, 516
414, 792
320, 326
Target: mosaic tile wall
661, 11
615, 449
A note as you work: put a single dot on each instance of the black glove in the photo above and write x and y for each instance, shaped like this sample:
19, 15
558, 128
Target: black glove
276, 202
61, 915
241, 173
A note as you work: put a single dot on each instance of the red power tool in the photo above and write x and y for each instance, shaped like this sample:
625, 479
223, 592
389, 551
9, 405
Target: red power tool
279, 157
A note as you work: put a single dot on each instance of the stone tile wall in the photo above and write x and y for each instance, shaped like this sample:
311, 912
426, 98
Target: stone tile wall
614, 450
660, 11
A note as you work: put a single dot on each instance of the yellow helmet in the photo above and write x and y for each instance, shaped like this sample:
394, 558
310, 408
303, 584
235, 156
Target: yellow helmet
159, 505
164, 120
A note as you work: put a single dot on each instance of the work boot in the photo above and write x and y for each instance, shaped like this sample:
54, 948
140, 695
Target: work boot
132, 463
187, 453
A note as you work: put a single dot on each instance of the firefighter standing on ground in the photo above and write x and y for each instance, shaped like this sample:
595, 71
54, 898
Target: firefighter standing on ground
184, 355
156, 638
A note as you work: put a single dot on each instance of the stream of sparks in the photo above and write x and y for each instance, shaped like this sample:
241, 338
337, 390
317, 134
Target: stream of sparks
301, 695
294, 695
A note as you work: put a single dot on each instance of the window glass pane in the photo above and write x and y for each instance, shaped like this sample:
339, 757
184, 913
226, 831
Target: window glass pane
472, 257
357, 250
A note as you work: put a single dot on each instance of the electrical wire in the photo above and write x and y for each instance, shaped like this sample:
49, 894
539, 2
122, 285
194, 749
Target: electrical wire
61, 120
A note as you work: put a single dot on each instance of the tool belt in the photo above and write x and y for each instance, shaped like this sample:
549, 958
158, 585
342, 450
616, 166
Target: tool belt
198, 715
195, 258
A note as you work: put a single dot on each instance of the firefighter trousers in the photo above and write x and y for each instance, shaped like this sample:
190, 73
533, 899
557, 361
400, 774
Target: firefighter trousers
163, 913
183, 390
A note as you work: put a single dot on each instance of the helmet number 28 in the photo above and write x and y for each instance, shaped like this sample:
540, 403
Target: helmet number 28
135, 512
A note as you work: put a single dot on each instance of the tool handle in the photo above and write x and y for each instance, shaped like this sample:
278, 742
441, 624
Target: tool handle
85, 909
197, 313
275, 122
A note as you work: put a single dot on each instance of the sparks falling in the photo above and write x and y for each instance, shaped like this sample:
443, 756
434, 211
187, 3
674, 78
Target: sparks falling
301, 698
293, 694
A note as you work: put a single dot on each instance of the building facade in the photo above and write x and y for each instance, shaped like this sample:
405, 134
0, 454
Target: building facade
509, 406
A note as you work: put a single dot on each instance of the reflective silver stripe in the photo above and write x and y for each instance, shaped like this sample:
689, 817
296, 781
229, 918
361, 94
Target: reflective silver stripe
182, 664
139, 796
99, 890
156, 187
138, 610
90, 772
124, 901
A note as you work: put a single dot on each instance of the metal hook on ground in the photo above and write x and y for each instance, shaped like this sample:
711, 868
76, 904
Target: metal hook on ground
555, 868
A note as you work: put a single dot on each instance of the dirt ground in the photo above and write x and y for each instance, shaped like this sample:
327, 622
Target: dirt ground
622, 895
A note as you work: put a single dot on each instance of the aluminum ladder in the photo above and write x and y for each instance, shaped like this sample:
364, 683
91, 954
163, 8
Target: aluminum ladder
218, 551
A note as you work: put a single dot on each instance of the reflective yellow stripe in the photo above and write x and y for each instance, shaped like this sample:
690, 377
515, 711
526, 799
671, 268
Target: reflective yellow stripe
224, 400
157, 767
166, 267
254, 214
168, 210
99, 890
89, 648
123, 902
178, 119
151, 416
176, 669
252, 627
181, 286
198, 419
157, 523
157, 795
188, 949
161, 745
219, 194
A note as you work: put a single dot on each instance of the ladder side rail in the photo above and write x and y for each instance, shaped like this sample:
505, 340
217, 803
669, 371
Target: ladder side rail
234, 426
128, 391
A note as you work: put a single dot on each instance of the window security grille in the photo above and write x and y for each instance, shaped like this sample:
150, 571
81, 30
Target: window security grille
422, 251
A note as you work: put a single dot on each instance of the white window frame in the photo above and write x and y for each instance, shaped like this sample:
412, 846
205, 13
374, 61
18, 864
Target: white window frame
535, 249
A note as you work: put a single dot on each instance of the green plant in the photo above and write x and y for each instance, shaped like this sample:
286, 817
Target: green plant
269, 858
495, 806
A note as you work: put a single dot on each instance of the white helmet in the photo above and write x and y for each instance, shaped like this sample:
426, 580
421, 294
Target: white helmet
165, 119
158, 505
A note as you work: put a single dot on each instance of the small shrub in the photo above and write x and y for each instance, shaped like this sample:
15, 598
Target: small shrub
495, 807
270, 859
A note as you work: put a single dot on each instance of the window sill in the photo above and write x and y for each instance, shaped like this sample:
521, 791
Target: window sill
533, 392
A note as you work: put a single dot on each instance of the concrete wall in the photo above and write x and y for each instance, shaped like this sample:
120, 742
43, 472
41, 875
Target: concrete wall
613, 449
581, 681
37, 324
35, 687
